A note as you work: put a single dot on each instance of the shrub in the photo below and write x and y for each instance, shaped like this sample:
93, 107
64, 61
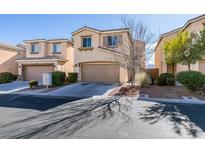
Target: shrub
33, 83
6, 77
72, 77
170, 81
192, 80
58, 78
162, 80
15, 76
143, 78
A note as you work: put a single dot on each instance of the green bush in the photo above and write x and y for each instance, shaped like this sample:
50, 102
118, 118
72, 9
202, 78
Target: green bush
192, 80
6, 77
58, 78
15, 76
170, 81
33, 83
72, 77
162, 80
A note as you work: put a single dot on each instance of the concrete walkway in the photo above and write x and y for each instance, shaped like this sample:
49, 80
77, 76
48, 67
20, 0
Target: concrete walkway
13, 86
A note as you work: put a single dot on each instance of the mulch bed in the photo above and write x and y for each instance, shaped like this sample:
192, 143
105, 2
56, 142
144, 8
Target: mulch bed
126, 91
170, 92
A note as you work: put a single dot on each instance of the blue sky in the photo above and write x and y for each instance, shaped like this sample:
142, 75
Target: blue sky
16, 28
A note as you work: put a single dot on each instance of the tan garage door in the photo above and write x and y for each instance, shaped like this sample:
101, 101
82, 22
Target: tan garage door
35, 72
100, 72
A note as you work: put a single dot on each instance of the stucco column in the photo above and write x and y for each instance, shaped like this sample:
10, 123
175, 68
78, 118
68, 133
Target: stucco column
56, 66
77, 70
20, 71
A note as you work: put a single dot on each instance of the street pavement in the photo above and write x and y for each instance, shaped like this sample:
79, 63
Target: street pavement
97, 117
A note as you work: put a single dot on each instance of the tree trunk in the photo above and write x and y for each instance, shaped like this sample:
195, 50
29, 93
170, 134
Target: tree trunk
189, 67
173, 69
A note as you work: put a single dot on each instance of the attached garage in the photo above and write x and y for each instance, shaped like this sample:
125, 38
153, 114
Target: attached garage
100, 72
36, 72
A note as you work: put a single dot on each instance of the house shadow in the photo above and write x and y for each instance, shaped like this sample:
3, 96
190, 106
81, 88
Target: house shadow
188, 117
35, 102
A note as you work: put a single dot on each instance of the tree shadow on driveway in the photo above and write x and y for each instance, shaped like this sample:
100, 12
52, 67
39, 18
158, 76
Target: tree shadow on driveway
63, 121
35, 102
188, 117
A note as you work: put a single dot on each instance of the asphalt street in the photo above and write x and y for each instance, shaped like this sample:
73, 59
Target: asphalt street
26, 116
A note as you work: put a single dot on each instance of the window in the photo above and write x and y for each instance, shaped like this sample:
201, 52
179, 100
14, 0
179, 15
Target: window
35, 48
112, 40
86, 42
56, 48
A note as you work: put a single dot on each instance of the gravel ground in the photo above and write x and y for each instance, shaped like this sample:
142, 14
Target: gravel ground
170, 92
109, 117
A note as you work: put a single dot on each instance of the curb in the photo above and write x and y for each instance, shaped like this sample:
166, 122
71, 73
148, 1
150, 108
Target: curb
176, 101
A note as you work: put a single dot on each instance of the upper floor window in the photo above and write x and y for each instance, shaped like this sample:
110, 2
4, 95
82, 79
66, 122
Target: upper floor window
56, 48
86, 42
112, 40
35, 48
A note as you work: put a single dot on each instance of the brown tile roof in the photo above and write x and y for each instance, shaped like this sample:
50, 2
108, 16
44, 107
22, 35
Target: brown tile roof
42, 58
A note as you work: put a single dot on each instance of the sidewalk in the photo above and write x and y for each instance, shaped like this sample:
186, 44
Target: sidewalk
178, 101
13, 86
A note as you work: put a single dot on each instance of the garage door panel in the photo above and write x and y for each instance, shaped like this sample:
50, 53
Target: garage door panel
36, 72
100, 72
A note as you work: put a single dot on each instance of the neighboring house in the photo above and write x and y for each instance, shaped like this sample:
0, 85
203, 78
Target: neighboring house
98, 54
44, 56
8, 55
192, 25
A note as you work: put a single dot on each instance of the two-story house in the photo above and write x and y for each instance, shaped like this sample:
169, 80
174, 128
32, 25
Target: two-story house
97, 54
192, 25
44, 56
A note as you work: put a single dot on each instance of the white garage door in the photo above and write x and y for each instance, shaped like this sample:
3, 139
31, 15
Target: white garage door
100, 72
35, 72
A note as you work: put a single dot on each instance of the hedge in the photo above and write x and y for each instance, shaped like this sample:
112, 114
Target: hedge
58, 78
6, 77
72, 77
162, 80
192, 80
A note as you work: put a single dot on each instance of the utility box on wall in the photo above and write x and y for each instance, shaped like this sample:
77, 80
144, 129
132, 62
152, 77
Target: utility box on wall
47, 79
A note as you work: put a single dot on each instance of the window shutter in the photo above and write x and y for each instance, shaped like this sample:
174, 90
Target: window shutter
105, 41
119, 38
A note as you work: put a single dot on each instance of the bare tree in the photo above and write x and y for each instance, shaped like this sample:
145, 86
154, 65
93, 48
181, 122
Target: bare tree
136, 49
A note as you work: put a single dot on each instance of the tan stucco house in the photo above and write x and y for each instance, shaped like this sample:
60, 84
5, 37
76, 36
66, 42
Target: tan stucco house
43, 56
97, 54
192, 25
8, 54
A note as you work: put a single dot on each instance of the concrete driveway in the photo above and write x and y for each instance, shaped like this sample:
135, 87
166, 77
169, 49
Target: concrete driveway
83, 89
13, 86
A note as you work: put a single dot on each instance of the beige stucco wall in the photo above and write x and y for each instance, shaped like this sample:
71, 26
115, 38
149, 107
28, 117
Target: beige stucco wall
96, 54
46, 49
43, 49
8, 59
